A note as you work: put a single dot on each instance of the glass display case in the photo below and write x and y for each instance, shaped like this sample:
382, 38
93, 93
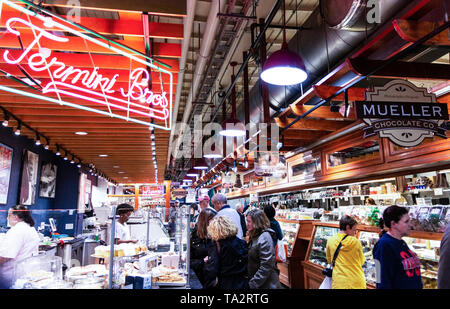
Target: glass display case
428, 253
290, 234
368, 241
37, 272
318, 254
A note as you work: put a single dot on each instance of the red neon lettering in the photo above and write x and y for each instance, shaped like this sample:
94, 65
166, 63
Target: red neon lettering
90, 79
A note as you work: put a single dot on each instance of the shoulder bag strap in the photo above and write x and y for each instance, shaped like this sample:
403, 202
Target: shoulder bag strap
337, 250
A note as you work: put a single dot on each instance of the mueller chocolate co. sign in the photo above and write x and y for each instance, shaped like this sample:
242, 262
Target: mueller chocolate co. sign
67, 79
402, 112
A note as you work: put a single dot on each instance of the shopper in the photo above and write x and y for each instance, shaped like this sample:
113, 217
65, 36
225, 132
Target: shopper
173, 217
240, 210
193, 214
347, 271
269, 210
122, 233
398, 267
370, 201
262, 269
444, 261
203, 202
20, 242
200, 242
226, 264
219, 202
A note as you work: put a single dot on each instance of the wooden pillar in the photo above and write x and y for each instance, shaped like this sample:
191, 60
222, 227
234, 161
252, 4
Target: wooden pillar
167, 185
136, 197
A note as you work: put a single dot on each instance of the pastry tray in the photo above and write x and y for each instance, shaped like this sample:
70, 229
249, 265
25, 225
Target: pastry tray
158, 283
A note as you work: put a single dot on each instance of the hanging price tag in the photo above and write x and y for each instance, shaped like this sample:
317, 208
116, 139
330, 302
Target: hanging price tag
346, 198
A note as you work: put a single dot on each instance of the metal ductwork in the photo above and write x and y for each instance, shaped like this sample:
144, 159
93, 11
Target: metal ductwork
312, 43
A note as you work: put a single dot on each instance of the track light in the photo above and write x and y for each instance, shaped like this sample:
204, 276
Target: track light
47, 145
5, 122
58, 153
246, 162
17, 132
72, 161
65, 157
38, 140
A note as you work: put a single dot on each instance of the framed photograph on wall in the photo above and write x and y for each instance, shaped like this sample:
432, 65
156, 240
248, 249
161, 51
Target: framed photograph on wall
29, 178
6, 154
47, 183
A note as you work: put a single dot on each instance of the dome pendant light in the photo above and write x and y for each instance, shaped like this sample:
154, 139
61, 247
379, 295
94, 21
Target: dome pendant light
233, 127
284, 67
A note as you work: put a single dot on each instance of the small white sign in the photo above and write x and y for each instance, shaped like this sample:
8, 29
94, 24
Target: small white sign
438, 191
69, 226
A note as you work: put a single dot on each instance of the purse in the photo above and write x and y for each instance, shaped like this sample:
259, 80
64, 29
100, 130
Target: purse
328, 271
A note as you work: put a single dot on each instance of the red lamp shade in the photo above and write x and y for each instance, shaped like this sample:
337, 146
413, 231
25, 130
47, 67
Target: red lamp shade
192, 173
284, 68
200, 164
232, 127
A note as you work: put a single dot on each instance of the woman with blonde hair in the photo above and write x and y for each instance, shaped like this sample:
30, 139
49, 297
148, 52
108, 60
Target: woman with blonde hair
262, 270
226, 264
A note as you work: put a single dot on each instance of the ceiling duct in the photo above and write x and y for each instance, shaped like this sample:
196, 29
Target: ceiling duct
321, 48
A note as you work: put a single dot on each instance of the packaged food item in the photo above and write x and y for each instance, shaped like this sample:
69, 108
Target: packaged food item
436, 218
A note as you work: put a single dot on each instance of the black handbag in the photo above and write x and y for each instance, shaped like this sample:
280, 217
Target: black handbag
328, 271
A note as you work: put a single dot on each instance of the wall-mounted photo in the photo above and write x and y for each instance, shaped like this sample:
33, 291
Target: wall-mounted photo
47, 184
29, 178
6, 154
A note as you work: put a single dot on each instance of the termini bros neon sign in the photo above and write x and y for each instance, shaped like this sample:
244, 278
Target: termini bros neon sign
88, 84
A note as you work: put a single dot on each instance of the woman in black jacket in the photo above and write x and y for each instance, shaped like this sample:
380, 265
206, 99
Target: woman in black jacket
226, 265
200, 242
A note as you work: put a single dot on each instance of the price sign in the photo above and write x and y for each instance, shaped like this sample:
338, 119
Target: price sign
438, 191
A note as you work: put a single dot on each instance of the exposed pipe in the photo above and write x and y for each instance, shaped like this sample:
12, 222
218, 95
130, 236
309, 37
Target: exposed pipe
188, 23
208, 37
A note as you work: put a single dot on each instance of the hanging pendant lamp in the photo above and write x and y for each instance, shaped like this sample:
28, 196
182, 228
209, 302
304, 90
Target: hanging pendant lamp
284, 67
192, 173
200, 164
233, 127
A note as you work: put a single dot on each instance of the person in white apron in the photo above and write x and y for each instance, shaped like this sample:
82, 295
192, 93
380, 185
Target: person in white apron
20, 242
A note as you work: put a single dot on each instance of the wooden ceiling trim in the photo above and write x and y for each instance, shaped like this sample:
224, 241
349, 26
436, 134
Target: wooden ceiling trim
157, 7
313, 124
412, 31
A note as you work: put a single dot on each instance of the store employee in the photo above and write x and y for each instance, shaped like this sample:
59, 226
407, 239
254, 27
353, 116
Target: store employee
122, 234
20, 242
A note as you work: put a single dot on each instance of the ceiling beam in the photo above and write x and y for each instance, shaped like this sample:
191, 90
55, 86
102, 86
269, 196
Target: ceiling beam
157, 7
313, 124
320, 112
412, 31
399, 69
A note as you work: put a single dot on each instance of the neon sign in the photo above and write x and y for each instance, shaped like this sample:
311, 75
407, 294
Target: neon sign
136, 103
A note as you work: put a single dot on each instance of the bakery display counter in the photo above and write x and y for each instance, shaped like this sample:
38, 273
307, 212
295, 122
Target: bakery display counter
297, 235
425, 244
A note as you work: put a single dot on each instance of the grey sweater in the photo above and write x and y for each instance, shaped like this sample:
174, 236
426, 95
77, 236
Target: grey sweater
444, 261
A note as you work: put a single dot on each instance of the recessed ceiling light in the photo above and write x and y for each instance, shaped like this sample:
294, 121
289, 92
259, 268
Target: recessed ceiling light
121, 172
81, 133
125, 177
103, 155
116, 166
